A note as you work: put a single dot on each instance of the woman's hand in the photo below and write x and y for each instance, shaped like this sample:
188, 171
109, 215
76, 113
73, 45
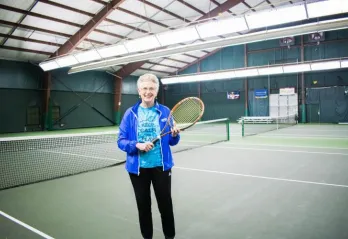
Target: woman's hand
175, 131
147, 146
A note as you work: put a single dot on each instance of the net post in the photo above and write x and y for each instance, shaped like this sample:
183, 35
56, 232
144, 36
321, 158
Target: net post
228, 128
242, 127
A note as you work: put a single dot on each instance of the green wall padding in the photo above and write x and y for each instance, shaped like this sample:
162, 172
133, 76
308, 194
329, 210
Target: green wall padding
13, 108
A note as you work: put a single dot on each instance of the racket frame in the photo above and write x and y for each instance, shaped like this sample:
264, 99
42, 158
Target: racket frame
170, 117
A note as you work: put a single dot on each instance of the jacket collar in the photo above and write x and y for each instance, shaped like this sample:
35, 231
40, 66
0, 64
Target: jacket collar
136, 106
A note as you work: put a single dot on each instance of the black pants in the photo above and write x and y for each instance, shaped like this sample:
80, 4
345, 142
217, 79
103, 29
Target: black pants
161, 181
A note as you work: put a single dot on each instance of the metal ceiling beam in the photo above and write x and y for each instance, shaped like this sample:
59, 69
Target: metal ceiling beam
219, 4
29, 40
89, 14
165, 11
24, 26
19, 21
128, 69
192, 7
142, 17
198, 60
215, 12
44, 30
159, 71
26, 50
12, 9
221, 8
165, 65
83, 33
33, 14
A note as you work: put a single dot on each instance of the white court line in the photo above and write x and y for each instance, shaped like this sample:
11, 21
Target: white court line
278, 150
262, 177
319, 130
26, 226
289, 146
275, 150
298, 136
81, 155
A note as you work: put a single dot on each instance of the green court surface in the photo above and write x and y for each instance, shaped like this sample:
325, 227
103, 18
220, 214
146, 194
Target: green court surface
291, 183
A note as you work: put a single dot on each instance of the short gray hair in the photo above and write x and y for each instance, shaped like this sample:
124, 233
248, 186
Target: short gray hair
148, 77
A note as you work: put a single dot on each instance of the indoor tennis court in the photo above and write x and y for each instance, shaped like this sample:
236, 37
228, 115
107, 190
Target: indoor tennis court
242, 188
264, 156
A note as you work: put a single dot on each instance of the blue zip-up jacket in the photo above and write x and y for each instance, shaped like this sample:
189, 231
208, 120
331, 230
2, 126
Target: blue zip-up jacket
128, 134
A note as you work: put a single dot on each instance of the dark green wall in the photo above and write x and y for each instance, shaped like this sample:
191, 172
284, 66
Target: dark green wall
129, 93
21, 86
261, 53
13, 108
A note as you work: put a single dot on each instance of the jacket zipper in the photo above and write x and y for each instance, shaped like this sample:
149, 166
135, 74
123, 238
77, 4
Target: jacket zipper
136, 126
159, 121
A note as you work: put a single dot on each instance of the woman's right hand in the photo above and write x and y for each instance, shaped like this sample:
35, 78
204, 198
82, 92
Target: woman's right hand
147, 146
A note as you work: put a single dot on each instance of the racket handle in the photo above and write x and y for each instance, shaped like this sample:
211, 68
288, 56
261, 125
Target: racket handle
159, 137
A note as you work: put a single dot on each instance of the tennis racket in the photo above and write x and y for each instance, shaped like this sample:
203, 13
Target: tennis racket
183, 115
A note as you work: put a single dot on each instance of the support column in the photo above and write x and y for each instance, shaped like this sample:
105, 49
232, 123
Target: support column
303, 95
46, 106
199, 83
117, 99
246, 111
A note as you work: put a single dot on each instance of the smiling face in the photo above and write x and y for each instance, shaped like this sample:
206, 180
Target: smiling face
148, 92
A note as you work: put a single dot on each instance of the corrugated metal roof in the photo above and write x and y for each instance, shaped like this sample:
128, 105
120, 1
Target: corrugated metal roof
21, 4
30, 45
88, 6
132, 19
49, 25
21, 56
60, 13
10, 16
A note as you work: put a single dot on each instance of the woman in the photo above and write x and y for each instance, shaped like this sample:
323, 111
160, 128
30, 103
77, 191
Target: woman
147, 162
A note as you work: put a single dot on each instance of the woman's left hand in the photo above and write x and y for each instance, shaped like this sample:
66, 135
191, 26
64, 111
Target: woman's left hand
175, 131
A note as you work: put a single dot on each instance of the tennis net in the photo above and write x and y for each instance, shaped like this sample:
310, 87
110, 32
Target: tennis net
31, 159
257, 125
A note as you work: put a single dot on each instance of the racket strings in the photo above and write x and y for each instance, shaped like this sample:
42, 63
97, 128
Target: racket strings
188, 112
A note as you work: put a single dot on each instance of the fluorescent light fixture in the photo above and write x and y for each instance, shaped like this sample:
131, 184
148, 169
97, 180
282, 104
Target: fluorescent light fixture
198, 77
324, 25
271, 70
261, 70
344, 63
326, 65
114, 50
85, 56
297, 68
326, 8
49, 65
142, 44
276, 16
226, 75
221, 27
177, 36
66, 61
246, 72
188, 79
